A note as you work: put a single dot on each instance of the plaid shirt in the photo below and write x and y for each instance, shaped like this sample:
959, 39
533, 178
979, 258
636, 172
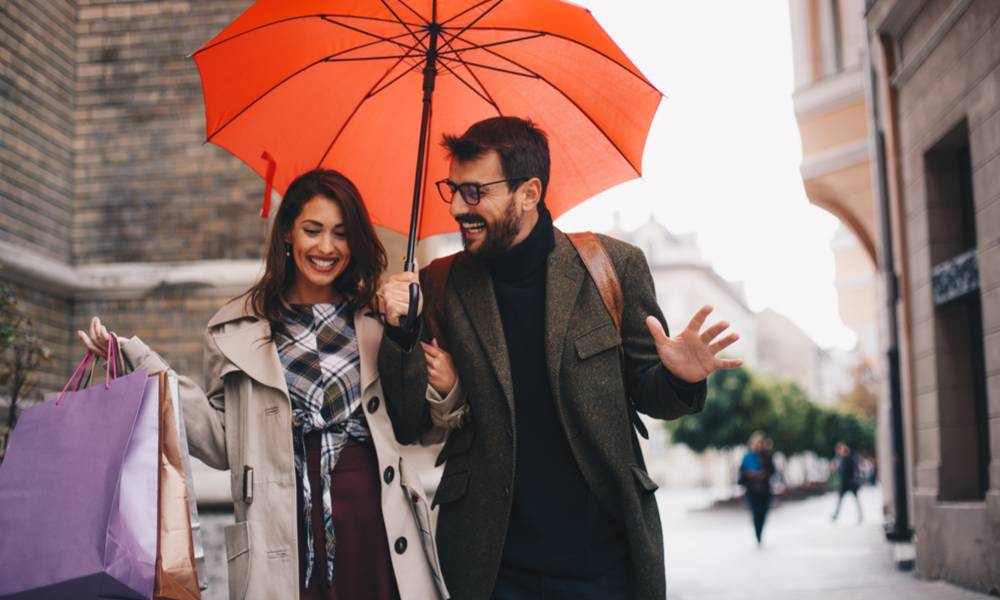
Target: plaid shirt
323, 372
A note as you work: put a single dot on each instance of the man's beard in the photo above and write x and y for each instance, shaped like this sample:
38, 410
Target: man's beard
499, 236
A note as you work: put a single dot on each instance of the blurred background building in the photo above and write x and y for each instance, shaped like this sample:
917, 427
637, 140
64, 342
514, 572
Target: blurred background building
912, 170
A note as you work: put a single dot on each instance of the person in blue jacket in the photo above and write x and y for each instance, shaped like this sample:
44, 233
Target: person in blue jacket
756, 470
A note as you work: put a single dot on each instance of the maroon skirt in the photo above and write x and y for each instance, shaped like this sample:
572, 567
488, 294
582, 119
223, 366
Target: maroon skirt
362, 567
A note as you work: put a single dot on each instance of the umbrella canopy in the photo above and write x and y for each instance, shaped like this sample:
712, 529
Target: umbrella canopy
291, 86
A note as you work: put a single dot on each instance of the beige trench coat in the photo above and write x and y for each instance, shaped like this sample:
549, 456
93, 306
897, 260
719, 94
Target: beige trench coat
242, 422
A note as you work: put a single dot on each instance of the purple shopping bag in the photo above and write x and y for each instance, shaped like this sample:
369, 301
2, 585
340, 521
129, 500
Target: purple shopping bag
78, 495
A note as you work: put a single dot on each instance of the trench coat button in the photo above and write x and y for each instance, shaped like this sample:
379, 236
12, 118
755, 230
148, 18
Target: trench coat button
400, 545
506, 492
373, 404
389, 474
510, 434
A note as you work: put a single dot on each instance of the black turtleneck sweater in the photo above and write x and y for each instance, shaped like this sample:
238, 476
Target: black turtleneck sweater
557, 525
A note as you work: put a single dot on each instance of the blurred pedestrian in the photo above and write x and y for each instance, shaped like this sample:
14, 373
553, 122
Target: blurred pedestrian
846, 464
756, 470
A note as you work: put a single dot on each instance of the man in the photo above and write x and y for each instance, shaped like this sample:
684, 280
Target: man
846, 464
545, 493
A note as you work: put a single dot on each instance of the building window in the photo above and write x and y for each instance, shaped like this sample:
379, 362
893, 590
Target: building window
831, 32
958, 320
838, 35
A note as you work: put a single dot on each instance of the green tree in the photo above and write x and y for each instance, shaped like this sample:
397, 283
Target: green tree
790, 418
740, 403
21, 353
725, 421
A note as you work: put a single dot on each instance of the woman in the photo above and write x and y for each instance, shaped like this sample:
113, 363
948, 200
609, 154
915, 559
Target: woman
755, 476
325, 505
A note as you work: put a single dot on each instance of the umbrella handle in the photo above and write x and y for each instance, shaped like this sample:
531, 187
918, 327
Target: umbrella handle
410, 321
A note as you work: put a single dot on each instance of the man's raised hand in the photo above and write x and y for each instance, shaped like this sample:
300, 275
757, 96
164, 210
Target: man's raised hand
691, 354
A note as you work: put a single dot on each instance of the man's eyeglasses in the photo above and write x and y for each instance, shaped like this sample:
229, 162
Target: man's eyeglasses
471, 192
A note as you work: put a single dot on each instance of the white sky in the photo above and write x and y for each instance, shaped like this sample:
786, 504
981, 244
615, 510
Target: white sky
723, 155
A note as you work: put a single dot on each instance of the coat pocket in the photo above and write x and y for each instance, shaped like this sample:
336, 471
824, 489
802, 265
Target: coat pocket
452, 487
596, 341
643, 479
238, 559
459, 442
413, 493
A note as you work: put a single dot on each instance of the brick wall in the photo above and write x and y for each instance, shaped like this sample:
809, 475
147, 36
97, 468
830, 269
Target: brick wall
36, 124
172, 322
103, 161
147, 187
51, 322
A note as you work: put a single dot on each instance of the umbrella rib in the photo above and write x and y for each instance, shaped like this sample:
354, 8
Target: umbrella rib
280, 21
485, 98
471, 23
491, 100
363, 58
389, 83
422, 18
572, 41
392, 40
493, 68
403, 23
472, 46
571, 101
359, 104
286, 79
467, 10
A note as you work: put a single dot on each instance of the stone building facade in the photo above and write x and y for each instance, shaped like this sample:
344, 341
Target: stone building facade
937, 72
934, 106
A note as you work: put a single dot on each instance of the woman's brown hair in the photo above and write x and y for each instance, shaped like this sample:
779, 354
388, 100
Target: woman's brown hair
358, 281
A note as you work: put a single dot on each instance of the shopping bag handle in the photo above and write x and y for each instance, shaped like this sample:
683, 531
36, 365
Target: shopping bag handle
76, 376
113, 352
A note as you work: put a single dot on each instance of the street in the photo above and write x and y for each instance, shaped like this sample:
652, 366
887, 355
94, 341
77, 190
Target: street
712, 554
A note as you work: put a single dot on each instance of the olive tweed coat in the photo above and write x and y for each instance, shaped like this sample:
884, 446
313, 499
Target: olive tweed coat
589, 392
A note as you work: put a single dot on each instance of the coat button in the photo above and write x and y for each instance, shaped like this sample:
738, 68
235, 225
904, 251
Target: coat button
389, 474
506, 492
400, 545
510, 435
373, 404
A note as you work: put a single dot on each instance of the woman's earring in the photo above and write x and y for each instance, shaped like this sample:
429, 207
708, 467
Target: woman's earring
288, 249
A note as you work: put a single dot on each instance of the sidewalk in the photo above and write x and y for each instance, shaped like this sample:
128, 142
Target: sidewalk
712, 555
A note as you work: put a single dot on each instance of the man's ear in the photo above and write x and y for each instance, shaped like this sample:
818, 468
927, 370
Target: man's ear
530, 194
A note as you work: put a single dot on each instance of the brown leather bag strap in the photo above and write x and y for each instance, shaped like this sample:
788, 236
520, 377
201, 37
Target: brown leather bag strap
602, 271
436, 286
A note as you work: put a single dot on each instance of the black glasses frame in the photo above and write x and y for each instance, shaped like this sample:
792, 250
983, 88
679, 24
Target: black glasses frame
471, 192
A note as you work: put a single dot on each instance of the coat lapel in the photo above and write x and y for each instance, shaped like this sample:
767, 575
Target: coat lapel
369, 332
563, 280
474, 285
249, 347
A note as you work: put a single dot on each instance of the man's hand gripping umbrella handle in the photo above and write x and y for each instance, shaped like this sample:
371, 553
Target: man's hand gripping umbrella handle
409, 322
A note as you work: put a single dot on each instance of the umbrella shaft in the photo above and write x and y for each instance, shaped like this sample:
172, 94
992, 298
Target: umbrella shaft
430, 73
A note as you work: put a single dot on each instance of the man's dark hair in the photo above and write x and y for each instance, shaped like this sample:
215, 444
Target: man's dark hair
522, 146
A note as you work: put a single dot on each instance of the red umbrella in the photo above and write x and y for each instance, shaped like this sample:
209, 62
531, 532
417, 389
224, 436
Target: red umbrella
350, 84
